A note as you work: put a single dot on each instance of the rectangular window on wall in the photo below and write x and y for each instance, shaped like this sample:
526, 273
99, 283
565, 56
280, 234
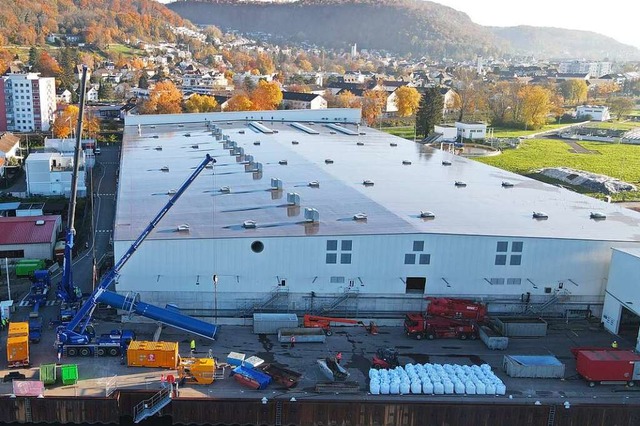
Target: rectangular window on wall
415, 285
502, 246
345, 258
332, 258
418, 246
337, 280
409, 259
346, 245
332, 245
514, 281
515, 259
425, 259
501, 259
516, 246
497, 281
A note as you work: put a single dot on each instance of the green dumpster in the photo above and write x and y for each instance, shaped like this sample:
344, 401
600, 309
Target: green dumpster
48, 374
69, 374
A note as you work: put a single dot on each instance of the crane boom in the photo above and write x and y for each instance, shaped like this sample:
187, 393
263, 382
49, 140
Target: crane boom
66, 291
71, 333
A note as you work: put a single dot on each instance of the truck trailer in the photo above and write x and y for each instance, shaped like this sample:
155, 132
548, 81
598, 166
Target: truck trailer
607, 366
18, 345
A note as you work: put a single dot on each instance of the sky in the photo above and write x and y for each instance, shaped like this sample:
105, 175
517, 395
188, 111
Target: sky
614, 18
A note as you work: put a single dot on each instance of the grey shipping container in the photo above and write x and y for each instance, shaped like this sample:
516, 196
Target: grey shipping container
302, 335
271, 323
521, 326
493, 339
533, 366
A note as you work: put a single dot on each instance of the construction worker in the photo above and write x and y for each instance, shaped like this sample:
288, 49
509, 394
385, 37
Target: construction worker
193, 346
614, 345
338, 357
292, 341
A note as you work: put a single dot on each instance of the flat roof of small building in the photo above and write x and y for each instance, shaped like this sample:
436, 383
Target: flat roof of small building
388, 179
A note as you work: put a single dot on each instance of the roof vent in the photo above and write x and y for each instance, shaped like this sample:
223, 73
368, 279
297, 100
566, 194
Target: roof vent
276, 183
180, 125
598, 215
360, 143
249, 224
393, 144
183, 228
540, 215
460, 184
256, 143
225, 189
328, 161
506, 184
241, 132
314, 184
283, 162
427, 215
294, 142
171, 192
187, 135
446, 163
164, 169
311, 215
367, 182
195, 146
406, 162
155, 136
39, 222
158, 148
360, 216
293, 198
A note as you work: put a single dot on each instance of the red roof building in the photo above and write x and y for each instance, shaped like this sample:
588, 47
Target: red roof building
31, 237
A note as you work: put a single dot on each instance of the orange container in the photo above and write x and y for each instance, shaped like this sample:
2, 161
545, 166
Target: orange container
18, 329
152, 354
18, 351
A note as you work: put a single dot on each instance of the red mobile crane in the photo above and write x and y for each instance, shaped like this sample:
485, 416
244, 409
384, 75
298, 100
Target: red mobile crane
313, 321
446, 318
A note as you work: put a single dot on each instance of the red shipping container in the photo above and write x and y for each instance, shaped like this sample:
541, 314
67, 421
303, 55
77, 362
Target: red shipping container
606, 365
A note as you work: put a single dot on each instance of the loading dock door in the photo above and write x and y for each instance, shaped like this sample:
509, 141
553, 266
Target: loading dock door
415, 285
629, 325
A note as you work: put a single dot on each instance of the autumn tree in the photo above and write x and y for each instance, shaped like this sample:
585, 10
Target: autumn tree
266, 96
500, 102
429, 111
604, 90
164, 98
536, 106
45, 64
373, 104
105, 91
239, 102
470, 92
264, 64
346, 99
407, 100
65, 123
620, 106
574, 91
200, 103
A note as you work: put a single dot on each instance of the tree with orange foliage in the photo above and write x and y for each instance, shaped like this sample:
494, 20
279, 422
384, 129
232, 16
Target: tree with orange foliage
200, 103
407, 100
239, 102
65, 123
164, 98
266, 96
373, 103
346, 99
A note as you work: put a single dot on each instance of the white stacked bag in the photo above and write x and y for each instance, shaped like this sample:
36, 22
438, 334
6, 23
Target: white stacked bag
436, 379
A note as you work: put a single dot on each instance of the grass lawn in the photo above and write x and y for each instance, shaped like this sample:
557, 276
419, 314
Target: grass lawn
406, 132
615, 160
122, 49
616, 125
507, 132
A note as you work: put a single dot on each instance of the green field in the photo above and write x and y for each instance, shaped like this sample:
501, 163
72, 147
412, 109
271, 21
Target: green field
126, 51
406, 132
507, 132
616, 125
615, 160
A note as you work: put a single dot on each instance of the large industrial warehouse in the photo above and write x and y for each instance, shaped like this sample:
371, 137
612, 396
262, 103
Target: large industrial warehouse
302, 215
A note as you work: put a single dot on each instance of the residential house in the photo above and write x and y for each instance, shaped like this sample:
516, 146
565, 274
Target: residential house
9, 145
49, 174
297, 100
92, 94
63, 96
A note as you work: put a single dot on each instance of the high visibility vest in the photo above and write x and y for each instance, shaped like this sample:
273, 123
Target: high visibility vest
193, 344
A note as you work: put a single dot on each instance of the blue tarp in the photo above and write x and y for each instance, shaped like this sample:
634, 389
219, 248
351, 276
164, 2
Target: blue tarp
262, 379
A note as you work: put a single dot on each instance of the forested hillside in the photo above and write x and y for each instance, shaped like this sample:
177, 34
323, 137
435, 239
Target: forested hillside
401, 26
98, 21
422, 28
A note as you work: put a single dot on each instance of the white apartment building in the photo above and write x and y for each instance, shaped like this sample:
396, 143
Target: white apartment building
596, 69
596, 112
27, 102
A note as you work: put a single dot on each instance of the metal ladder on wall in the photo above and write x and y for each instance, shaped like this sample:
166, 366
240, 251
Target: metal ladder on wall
551, 419
278, 421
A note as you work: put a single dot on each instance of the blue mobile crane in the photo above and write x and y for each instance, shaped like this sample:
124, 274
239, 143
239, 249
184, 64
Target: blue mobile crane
78, 337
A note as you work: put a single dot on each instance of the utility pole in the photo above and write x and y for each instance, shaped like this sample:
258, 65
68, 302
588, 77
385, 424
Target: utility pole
6, 268
215, 297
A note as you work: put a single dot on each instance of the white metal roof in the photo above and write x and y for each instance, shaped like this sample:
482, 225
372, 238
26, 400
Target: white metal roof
407, 178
